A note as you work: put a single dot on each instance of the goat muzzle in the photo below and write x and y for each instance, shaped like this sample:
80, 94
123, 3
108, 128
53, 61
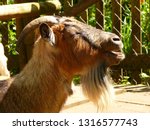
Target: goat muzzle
113, 50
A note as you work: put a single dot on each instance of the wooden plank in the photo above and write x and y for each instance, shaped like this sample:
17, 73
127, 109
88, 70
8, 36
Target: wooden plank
100, 15
116, 17
28, 9
133, 62
136, 34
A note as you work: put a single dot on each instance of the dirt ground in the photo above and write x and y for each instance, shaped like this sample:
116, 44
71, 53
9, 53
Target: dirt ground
128, 99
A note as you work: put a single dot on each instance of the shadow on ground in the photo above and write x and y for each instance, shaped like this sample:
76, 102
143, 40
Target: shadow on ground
138, 88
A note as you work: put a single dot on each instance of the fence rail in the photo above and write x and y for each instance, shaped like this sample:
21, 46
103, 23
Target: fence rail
28, 9
25, 12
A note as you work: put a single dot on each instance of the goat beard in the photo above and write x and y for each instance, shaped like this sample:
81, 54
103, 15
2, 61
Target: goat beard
97, 86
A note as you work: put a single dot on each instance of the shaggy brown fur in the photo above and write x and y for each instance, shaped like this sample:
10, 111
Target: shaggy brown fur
64, 47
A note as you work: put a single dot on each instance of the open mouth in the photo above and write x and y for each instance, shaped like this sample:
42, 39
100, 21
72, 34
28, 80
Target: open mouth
119, 55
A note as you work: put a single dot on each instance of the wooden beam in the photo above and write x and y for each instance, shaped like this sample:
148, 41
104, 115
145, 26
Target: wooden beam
28, 9
80, 7
133, 62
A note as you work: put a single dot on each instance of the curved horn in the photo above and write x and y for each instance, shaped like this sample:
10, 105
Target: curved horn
34, 24
30, 27
50, 20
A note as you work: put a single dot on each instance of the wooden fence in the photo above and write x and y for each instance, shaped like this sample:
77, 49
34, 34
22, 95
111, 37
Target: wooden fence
134, 61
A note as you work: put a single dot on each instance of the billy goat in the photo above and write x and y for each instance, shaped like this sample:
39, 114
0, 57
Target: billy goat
63, 47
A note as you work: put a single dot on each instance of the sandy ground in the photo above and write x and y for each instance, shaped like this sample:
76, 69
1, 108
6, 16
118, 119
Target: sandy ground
128, 99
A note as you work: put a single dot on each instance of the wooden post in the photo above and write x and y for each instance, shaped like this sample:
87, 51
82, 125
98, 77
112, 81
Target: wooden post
136, 35
136, 26
84, 15
100, 15
116, 17
67, 4
116, 24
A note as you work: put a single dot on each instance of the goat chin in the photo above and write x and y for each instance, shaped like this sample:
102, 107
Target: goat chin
97, 86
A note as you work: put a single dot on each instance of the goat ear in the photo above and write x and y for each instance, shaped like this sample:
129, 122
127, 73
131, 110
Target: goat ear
47, 33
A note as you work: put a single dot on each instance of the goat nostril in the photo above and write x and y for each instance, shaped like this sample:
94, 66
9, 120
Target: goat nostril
116, 39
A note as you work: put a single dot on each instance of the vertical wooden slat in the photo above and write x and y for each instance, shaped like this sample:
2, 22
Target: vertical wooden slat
136, 26
116, 17
136, 35
100, 15
84, 15
116, 24
67, 4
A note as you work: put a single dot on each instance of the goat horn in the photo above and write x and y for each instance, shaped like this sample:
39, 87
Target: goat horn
34, 24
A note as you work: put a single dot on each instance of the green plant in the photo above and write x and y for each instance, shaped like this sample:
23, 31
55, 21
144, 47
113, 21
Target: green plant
125, 80
108, 16
76, 80
12, 37
145, 78
10, 1
92, 19
145, 11
126, 27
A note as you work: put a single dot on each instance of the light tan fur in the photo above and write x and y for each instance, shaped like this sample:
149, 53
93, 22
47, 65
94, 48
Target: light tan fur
4, 73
